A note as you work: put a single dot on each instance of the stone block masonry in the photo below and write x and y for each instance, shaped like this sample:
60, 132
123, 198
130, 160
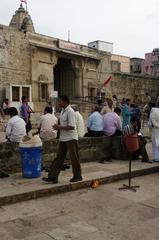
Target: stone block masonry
90, 149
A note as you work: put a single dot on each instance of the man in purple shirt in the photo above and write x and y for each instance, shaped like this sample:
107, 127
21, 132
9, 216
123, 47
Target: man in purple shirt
25, 112
112, 123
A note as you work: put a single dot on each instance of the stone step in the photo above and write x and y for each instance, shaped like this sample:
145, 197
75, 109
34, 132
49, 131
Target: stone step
17, 189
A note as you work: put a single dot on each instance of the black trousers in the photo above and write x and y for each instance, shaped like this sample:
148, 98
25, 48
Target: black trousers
142, 150
117, 133
72, 147
94, 134
28, 127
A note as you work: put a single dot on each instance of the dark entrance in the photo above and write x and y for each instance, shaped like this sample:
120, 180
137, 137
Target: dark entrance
64, 77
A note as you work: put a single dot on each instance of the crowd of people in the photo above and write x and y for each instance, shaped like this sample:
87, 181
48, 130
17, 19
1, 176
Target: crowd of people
111, 118
114, 119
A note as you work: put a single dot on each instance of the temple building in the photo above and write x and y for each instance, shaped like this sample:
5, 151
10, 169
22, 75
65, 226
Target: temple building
41, 67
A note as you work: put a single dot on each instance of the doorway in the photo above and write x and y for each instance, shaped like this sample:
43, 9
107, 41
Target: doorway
64, 77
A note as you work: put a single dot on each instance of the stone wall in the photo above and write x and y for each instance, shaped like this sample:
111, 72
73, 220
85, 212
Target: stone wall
14, 59
90, 149
133, 86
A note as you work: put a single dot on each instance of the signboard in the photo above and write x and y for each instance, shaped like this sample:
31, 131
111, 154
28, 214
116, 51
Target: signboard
54, 94
69, 46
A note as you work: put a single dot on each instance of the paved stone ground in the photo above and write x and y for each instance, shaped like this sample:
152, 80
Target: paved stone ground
16, 189
16, 184
89, 214
102, 213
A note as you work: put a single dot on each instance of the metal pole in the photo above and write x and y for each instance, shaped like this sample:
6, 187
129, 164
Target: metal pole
130, 170
129, 187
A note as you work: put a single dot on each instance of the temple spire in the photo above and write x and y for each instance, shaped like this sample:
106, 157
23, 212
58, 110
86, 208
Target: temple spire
21, 20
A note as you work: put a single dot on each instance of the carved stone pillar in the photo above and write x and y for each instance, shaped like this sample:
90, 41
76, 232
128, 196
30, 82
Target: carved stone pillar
79, 66
78, 82
54, 59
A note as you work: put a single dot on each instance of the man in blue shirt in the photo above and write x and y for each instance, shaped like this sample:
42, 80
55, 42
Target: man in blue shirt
95, 124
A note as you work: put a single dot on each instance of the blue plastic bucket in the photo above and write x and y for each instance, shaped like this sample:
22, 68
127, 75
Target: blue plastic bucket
31, 161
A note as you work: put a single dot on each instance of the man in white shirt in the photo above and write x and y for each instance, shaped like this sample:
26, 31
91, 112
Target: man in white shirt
15, 129
68, 141
47, 121
79, 122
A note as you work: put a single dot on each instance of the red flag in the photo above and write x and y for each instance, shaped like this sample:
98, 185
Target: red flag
24, 1
107, 80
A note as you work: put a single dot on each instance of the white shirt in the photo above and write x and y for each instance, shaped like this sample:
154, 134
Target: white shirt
46, 123
106, 109
15, 129
67, 118
154, 124
80, 124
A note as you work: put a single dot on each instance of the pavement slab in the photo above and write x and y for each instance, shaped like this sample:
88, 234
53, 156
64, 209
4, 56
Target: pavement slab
16, 188
100, 213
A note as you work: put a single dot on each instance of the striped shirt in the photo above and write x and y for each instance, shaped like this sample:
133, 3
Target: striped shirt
128, 130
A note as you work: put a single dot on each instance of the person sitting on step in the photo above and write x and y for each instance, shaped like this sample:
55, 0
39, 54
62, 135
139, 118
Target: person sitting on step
95, 124
131, 129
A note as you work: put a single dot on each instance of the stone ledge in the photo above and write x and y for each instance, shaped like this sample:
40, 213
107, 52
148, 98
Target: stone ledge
90, 149
62, 188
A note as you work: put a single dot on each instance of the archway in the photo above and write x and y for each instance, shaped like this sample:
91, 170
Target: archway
64, 77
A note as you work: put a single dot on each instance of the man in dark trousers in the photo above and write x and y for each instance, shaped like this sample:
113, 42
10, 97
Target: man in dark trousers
68, 141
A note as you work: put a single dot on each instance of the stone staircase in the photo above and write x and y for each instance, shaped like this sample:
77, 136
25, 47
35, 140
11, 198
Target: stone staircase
3, 122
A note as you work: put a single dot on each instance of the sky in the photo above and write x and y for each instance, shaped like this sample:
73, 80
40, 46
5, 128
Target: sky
131, 25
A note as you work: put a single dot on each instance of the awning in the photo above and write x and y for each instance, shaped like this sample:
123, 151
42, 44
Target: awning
50, 47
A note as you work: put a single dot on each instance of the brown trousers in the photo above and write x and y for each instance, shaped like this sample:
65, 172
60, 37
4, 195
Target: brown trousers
72, 148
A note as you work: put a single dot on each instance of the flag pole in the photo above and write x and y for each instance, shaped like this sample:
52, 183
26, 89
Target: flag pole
68, 35
26, 6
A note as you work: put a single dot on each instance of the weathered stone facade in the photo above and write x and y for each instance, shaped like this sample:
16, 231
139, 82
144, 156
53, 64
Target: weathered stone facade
135, 65
45, 64
134, 87
14, 59
124, 62
80, 70
36, 65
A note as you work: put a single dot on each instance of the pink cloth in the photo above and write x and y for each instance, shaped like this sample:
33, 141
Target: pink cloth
111, 122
